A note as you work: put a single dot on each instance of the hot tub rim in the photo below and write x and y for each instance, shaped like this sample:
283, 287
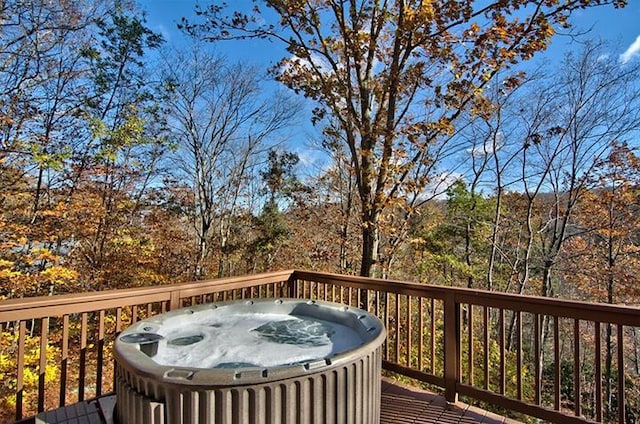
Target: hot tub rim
127, 355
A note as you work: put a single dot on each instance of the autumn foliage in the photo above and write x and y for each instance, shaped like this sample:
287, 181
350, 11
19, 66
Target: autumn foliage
447, 162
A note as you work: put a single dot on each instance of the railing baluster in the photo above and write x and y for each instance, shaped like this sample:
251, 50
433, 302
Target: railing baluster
397, 333
83, 356
537, 359
501, 340
556, 363
134, 314
487, 349
100, 352
118, 320
387, 342
22, 334
421, 334
519, 355
42, 364
470, 345
621, 394
117, 331
432, 348
598, 371
451, 347
64, 360
576, 368
409, 332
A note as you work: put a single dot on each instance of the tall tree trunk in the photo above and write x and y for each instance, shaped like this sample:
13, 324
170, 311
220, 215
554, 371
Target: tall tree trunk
494, 236
344, 230
223, 262
344, 233
608, 364
203, 244
370, 243
546, 279
467, 254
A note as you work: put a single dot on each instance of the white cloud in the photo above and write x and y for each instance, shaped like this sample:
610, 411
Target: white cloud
314, 62
164, 32
437, 188
313, 162
308, 157
632, 51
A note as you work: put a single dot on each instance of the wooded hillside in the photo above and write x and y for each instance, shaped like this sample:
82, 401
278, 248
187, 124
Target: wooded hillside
125, 161
121, 169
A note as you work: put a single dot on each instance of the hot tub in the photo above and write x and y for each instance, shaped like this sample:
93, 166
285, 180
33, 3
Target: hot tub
261, 361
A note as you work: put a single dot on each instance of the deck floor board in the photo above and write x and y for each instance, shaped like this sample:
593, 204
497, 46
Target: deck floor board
400, 405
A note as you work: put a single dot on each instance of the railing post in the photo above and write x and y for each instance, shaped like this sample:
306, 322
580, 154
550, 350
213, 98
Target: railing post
451, 347
174, 300
292, 287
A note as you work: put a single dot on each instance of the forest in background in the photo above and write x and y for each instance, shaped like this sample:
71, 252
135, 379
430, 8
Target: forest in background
119, 168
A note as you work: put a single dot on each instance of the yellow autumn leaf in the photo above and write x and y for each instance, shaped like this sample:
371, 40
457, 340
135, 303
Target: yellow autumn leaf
59, 274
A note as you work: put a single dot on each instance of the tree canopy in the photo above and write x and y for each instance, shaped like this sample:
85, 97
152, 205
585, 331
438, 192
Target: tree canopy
395, 76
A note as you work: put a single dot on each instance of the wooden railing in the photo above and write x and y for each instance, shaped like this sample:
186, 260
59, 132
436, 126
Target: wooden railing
556, 360
60, 346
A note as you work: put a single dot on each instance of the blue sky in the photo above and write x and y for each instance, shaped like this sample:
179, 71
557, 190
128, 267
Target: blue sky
620, 27
164, 15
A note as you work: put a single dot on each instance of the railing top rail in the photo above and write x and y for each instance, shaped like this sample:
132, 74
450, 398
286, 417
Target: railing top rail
597, 312
37, 307
41, 306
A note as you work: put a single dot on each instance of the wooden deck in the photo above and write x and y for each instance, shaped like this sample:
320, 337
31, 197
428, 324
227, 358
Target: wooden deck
400, 405
404, 405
